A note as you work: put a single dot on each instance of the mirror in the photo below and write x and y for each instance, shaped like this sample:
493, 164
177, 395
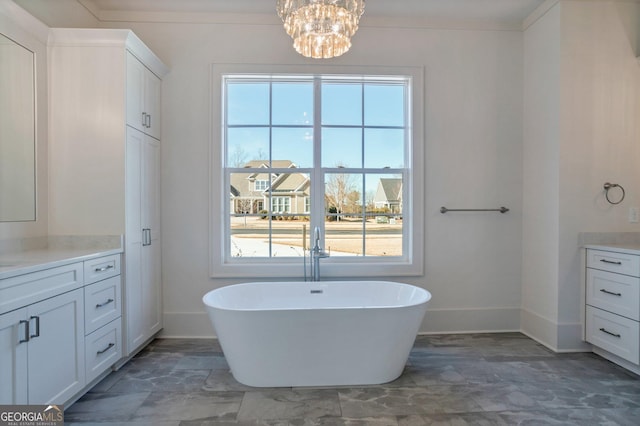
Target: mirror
17, 133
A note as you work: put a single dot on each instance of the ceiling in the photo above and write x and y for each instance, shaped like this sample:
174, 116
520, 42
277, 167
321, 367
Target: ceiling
442, 8
489, 10
461, 14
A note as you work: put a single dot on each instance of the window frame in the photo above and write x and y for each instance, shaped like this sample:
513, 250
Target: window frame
412, 264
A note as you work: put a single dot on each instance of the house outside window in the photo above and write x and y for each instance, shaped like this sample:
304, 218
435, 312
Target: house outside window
333, 151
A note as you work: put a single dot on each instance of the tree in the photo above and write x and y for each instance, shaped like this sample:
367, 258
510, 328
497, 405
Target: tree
339, 190
238, 158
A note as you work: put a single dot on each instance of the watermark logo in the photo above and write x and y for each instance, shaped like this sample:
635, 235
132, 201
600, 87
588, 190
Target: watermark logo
31, 415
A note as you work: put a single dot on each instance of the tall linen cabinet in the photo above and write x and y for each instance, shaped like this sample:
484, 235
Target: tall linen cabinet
104, 154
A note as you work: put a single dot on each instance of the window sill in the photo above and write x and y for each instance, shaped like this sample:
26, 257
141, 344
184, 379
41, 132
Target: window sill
328, 270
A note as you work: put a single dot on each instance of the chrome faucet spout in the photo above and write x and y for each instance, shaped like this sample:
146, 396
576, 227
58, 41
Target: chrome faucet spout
316, 239
317, 253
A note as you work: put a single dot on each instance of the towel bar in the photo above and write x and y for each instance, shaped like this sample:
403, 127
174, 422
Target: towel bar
501, 210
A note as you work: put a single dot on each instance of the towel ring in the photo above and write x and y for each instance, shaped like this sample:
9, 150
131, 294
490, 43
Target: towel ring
607, 187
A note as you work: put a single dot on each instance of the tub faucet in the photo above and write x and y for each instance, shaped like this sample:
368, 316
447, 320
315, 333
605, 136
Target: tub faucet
317, 253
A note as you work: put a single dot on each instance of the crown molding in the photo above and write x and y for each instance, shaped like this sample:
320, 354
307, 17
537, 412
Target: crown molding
264, 19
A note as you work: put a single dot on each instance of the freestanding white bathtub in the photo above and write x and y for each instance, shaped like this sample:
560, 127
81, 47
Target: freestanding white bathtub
316, 333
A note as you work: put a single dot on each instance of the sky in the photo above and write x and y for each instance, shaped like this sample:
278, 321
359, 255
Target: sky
342, 117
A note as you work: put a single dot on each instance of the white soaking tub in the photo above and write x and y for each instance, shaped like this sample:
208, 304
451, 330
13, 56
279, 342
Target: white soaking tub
316, 333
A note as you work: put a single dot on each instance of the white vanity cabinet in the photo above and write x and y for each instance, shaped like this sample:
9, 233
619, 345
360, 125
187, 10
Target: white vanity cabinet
60, 328
612, 311
105, 157
42, 342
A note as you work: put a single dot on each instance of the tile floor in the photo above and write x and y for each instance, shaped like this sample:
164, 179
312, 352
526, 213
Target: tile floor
475, 379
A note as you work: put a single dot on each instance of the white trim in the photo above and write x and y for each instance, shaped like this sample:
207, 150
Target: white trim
471, 320
248, 18
559, 337
635, 368
413, 266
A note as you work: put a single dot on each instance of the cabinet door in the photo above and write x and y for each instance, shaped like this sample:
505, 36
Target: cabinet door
143, 97
151, 253
13, 353
152, 289
133, 240
152, 102
143, 313
133, 304
151, 188
56, 348
135, 92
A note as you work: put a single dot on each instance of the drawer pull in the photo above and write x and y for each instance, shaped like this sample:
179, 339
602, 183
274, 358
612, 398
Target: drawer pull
611, 262
100, 305
610, 292
104, 268
604, 330
106, 349
26, 331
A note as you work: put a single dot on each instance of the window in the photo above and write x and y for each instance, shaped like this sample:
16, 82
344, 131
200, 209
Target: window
326, 150
280, 205
261, 185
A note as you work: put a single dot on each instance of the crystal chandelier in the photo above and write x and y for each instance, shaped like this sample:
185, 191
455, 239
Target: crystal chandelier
320, 28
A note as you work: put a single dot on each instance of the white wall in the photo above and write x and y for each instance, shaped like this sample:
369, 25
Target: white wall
582, 103
541, 134
473, 101
600, 135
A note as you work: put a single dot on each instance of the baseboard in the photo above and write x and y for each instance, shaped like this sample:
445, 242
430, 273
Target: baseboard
187, 325
634, 368
485, 320
559, 337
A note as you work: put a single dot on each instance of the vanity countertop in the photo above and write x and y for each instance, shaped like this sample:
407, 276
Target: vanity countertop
24, 262
631, 248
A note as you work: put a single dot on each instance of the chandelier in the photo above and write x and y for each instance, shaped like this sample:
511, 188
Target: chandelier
320, 28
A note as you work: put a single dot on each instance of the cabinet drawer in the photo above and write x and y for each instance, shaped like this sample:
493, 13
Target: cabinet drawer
103, 348
23, 290
613, 333
618, 294
102, 303
621, 263
101, 268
